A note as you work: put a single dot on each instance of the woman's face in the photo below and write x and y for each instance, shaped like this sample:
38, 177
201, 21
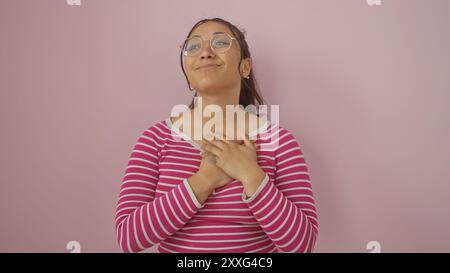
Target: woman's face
226, 73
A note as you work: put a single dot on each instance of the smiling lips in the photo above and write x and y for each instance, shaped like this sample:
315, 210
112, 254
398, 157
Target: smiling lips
208, 67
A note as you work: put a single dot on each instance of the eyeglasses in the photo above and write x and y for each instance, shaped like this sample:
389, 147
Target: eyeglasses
219, 43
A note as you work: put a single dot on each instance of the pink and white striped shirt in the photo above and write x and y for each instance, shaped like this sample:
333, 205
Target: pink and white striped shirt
156, 205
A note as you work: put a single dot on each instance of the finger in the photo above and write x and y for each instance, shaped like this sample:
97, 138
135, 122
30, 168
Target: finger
211, 157
221, 144
213, 149
248, 143
213, 143
253, 141
222, 136
205, 153
202, 146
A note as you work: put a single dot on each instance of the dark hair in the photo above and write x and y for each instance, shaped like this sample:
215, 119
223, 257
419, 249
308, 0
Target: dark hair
249, 94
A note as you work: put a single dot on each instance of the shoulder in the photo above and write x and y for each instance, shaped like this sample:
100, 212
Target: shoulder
156, 133
278, 138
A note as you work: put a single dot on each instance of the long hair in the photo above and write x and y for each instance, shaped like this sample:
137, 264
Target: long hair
249, 94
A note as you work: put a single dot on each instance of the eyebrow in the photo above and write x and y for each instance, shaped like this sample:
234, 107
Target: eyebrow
217, 32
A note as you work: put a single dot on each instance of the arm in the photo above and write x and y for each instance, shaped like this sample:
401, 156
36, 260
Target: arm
142, 220
200, 187
284, 206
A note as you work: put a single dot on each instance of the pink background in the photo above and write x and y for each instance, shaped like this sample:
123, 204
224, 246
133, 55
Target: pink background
365, 89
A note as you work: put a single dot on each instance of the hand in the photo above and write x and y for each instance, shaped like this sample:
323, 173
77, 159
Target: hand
212, 174
237, 161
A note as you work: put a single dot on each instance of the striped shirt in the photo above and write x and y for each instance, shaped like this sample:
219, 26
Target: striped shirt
156, 205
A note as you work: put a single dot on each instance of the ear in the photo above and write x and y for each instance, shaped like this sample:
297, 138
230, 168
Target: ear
246, 67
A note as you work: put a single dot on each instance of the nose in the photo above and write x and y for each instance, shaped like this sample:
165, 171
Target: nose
207, 51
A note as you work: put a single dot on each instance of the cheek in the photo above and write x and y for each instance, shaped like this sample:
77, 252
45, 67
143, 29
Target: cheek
189, 70
234, 59
232, 65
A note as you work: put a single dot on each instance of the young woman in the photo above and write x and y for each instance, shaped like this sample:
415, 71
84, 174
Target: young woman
188, 193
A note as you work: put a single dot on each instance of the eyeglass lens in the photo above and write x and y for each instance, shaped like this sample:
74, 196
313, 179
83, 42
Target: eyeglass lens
220, 43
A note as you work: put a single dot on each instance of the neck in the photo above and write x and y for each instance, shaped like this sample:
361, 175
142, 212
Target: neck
221, 99
218, 102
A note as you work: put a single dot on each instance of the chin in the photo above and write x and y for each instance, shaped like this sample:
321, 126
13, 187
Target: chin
210, 87
210, 90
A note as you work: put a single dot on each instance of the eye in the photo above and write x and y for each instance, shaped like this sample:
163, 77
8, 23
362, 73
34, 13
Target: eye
221, 43
193, 47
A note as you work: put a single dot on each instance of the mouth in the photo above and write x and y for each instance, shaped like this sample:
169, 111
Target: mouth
208, 67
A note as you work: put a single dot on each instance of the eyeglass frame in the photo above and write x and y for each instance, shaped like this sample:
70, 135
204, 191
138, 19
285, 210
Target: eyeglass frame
210, 43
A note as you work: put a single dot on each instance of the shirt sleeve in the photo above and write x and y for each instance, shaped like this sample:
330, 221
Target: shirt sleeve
141, 220
284, 206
